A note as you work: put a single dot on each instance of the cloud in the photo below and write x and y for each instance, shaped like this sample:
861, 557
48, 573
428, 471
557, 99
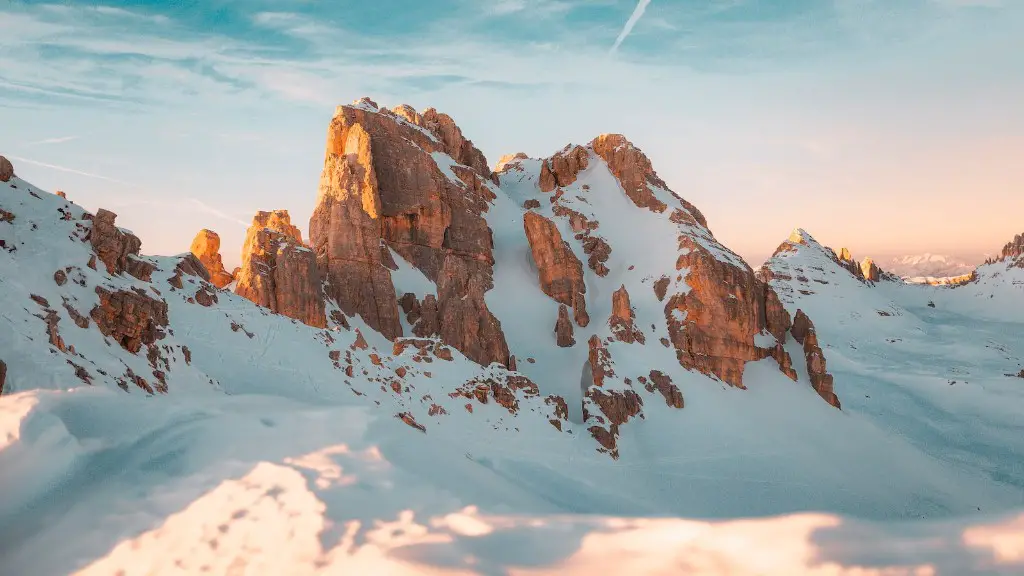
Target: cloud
638, 13
58, 140
206, 208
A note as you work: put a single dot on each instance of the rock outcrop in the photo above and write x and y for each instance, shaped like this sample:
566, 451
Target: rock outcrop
821, 380
206, 247
1012, 252
563, 168
563, 328
634, 172
713, 326
131, 318
383, 189
111, 244
6, 170
3, 376
279, 272
621, 320
507, 160
560, 272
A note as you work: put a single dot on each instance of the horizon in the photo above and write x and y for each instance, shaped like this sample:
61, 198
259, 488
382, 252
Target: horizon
180, 120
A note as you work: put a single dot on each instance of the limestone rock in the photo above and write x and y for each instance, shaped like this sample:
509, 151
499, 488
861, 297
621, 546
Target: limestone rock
563, 328
714, 324
560, 272
464, 320
821, 380
621, 320
636, 175
563, 168
130, 317
382, 190
506, 161
869, 270
111, 244
206, 247
278, 272
1013, 252
663, 384
6, 169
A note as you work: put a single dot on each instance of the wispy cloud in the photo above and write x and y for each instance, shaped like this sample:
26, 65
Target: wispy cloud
58, 140
206, 208
638, 13
69, 170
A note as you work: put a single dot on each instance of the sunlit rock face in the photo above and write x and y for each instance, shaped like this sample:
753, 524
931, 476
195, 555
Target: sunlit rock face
206, 247
279, 272
382, 189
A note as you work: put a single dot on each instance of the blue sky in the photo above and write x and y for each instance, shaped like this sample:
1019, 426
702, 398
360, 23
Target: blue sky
885, 125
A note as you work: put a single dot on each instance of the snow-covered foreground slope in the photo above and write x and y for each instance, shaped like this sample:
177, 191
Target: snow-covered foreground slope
227, 437
100, 482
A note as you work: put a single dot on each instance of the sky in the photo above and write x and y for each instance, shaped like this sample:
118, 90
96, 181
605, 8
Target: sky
886, 126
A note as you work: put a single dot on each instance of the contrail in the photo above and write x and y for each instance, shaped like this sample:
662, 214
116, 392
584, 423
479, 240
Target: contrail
71, 170
633, 19
60, 140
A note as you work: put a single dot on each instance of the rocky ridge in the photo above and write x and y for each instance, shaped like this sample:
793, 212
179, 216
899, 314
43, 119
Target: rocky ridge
405, 193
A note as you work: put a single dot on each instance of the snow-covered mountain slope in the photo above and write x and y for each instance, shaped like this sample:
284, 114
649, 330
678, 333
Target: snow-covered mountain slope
143, 408
935, 365
929, 266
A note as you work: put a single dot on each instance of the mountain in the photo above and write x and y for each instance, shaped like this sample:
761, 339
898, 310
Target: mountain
919, 267
462, 367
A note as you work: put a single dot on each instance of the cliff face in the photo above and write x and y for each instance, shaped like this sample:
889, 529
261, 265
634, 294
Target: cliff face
389, 184
280, 273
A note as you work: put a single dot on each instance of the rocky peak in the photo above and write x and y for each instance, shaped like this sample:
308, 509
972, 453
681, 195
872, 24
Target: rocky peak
635, 173
866, 270
562, 168
278, 221
6, 169
509, 159
278, 272
382, 190
1012, 252
869, 271
206, 247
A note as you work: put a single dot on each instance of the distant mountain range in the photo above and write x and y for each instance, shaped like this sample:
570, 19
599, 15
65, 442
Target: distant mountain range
930, 265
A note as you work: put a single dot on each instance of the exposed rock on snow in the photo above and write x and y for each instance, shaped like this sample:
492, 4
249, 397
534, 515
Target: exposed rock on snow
563, 328
621, 320
714, 324
113, 245
634, 172
821, 380
509, 159
206, 247
560, 272
6, 169
131, 318
389, 183
279, 272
